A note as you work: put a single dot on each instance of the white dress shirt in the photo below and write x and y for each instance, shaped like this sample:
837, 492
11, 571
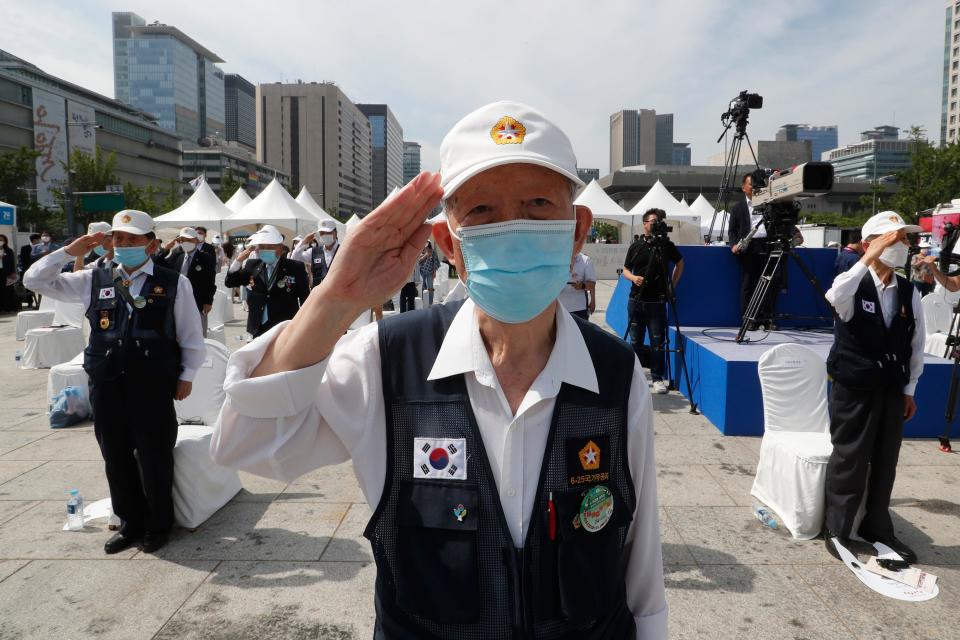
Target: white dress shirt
582, 271
44, 277
754, 219
841, 296
286, 424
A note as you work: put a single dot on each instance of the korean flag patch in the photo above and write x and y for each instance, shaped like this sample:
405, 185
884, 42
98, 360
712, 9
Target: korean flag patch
108, 293
440, 458
869, 306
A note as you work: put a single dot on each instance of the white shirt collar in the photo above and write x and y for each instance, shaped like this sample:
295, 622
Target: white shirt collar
146, 267
878, 283
463, 351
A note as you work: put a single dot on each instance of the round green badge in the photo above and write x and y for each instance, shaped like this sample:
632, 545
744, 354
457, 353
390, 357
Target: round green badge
596, 508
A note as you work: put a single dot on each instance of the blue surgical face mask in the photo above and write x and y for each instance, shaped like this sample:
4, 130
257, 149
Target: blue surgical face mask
515, 269
269, 256
130, 256
100, 251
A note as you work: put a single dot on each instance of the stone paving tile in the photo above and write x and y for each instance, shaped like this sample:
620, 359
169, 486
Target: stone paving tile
921, 482
736, 480
740, 601
348, 543
38, 533
689, 485
925, 452
329, 484
258, 531
10, 469
41, 423
9, 567
732, 535
59, 445
10, 418
279, 600
684, 450
660, 426
53, 480
870, 615
106, 600
13, 440
916, 523
12, 508
674, 550
258, 489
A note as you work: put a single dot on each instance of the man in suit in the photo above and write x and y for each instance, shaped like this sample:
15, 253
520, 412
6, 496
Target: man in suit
203, 245
276, 287
182, 254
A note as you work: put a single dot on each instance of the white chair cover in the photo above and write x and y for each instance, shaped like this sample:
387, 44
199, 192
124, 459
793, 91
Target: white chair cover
791, 473
67, 374
200, 486
27, 320
203, 404
222, 310
48, 346
221, 279
935, 344
68, 314
937, 313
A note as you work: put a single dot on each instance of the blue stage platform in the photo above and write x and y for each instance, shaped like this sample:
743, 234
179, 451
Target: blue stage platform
723, 374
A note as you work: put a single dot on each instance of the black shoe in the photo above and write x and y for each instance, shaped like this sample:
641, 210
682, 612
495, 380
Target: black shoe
894, 543
153, 542
120, 542
832, 548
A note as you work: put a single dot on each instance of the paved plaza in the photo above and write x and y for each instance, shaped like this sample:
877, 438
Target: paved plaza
289, 561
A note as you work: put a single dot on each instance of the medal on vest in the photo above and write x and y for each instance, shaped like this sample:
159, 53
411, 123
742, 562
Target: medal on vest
197, 268
139, 302
460, 512
596, 508
104, 320
127, 283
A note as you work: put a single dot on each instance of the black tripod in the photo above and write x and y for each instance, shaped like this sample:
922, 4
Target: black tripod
656, 257
730, 172
952, 352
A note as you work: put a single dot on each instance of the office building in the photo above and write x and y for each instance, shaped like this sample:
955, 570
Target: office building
387, 140
240, 102
771, 154
313, 132
822, 138
633, 138
411, 160
160, 70
681, 153
664, 141
216, 161
35, 108
949, 114
878, 156
588, 174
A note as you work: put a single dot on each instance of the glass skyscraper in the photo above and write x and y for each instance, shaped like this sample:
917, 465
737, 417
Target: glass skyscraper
387, 137
822, 139
411, 160
160, 70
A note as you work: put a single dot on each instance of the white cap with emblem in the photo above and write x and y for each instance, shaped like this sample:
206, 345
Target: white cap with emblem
188, 232
132, 221
884, 222
98, 227
268, 234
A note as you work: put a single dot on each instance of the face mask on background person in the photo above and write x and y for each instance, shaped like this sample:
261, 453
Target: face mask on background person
895, 256
100, 251
269, 256
188, 246
201, 237
327, 240
130, 256
515, 269
45, 239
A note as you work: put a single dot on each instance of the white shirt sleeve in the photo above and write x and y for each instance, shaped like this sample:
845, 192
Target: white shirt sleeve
589, 272
845, 285
917, 344
44, 277
234, 266
193, 350
286, 424
301, 253
645, 591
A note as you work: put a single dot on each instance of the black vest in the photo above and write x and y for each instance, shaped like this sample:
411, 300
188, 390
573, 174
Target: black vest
139, 343
443, 577
318, 263
865, 353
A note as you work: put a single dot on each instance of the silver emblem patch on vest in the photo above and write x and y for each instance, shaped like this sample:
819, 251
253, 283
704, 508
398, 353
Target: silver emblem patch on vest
440, 458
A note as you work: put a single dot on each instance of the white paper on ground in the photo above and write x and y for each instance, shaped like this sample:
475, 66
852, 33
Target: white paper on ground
880, 584
95, 511
911, 576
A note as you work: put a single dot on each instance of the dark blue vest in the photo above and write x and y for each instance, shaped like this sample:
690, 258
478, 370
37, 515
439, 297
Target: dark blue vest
318, 264
443, 577
139, 343
866, 354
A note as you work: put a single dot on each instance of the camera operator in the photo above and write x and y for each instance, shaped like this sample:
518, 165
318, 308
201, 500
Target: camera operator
645, 266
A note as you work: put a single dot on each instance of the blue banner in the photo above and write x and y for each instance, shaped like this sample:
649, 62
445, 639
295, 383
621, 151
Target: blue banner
7, 215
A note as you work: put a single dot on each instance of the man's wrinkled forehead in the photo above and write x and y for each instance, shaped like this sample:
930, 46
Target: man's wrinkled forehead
510, 181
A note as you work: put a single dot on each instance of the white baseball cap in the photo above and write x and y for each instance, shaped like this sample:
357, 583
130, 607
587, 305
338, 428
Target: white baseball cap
132, 221
98, 227
885, 221
501, 133
188, 232
268, 234
326, 226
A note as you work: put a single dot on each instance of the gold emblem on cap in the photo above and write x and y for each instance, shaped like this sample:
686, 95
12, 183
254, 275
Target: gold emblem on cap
894, 219
508, 131
125, 218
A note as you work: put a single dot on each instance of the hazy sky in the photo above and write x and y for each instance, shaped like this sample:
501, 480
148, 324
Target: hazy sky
853, 63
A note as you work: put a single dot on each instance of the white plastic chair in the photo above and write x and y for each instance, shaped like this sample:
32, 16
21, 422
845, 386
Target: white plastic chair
200, 486
203, 404
791, 473
937, 313
40, 317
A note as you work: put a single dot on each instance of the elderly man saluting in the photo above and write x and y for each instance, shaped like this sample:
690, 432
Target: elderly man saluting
505, 446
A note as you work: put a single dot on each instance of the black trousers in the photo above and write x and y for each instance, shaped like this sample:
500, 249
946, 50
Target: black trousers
649, 319
136, 415
866, 428
407, 295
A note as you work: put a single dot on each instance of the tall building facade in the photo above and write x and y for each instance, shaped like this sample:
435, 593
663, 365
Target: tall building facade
588, 174
387, 139
411, 160
240, 103
877, 157
216, 162
949, 114
664, 141
633, 138
160, 70
681, 153
313, 132
822, 138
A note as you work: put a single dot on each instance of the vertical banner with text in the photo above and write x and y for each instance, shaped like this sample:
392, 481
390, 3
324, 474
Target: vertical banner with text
82, 136
50, 139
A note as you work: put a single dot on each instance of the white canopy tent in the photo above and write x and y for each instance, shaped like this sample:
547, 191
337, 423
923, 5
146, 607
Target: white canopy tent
305, 200
273, 206
659, 198
202, 208
702, 207
602, 205
238, 200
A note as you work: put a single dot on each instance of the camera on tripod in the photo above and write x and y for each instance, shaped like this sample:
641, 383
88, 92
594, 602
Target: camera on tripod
739, 109
776, 195
659, 228
948, 259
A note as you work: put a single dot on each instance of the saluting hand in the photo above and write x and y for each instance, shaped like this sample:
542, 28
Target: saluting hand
877, 245
378, 255
84, 244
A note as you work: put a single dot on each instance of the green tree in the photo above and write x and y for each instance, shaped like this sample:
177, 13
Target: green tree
17, 170
91, 173
606, 231
172, 197
932, 178
229, 185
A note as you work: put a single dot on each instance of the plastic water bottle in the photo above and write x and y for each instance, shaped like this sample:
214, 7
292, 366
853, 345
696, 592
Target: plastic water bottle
75, 511
18, 356
763, 515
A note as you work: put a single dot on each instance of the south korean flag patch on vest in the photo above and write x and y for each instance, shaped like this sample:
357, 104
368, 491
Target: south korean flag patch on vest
869, 306
440, 458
